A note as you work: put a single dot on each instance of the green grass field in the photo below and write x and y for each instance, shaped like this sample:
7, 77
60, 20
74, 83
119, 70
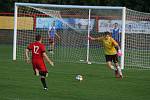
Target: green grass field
17, 82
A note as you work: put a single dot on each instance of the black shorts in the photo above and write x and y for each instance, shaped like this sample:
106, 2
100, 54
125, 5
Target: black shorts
43, 73
111, 58
51, 40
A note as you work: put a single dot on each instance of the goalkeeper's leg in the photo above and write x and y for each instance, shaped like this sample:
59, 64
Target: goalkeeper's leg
109, 64
115, 60
119, 70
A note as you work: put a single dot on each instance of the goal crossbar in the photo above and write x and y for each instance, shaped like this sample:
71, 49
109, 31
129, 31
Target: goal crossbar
68, 6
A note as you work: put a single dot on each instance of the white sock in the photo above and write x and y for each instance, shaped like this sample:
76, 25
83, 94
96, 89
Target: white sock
112, 67
119, 70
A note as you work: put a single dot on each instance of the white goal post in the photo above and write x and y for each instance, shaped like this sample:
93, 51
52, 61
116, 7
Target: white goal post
74, 24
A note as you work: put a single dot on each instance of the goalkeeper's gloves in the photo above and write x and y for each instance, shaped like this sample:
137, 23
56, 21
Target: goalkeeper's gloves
119, 53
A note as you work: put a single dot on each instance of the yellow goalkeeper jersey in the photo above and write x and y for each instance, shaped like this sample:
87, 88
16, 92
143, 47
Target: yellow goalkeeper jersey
109, 46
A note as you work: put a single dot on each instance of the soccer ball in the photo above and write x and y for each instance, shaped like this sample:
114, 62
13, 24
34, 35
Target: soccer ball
79, 77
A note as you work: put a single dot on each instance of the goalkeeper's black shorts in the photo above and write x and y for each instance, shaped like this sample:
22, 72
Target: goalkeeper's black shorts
111, 58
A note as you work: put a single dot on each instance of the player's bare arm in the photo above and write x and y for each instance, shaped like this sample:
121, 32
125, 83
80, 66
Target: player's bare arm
98, 38
27, 56
116, 44
48, 60
48, 32
119, 53
118, 47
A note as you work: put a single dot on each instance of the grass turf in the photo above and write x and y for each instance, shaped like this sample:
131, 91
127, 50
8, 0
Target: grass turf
18, 82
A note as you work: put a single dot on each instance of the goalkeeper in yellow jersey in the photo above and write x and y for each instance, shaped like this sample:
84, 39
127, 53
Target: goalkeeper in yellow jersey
110, 52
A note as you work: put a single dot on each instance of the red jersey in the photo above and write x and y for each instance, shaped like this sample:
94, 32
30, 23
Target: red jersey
37, 49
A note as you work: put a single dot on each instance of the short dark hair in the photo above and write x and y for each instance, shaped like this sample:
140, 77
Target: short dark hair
107, 33
38, 37
116, 23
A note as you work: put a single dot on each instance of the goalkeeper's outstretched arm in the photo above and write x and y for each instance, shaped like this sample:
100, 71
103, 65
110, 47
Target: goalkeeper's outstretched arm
98, 38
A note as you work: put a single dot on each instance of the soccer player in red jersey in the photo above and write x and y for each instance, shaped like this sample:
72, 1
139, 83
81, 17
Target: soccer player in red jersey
38, 53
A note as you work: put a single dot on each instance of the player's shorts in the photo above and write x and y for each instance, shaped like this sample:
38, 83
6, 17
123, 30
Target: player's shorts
40, 65
43, 74
111, 58
51, 40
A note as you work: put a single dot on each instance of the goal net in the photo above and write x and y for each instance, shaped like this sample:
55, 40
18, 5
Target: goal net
32, 20
74, 24
137, 41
